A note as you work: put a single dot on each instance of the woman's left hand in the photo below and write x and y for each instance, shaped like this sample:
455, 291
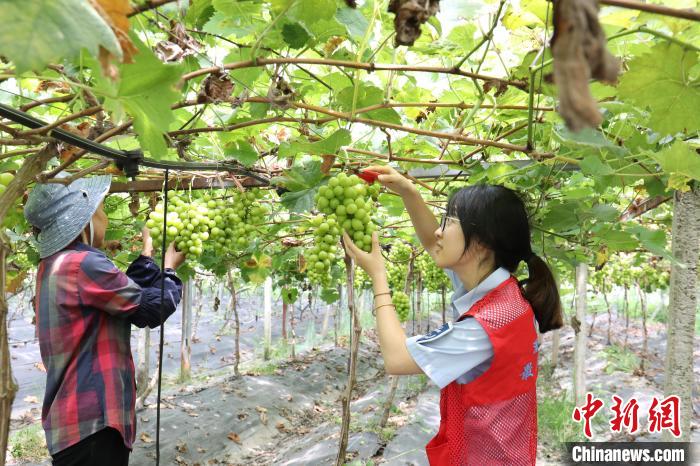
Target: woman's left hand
371, 262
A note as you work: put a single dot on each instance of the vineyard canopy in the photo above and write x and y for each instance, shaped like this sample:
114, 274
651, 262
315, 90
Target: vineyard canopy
290, 90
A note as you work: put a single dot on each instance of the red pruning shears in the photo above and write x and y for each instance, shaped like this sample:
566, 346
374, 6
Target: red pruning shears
369, 176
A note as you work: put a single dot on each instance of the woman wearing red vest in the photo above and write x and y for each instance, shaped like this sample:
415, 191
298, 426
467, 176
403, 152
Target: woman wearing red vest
485, 362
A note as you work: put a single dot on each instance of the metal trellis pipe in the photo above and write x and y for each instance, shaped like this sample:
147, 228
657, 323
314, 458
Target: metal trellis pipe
121, 156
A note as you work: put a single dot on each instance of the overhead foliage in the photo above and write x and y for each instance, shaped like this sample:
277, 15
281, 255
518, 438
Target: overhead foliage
300, 89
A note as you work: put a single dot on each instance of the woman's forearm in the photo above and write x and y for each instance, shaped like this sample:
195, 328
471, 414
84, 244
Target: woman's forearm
392, 339
422, 218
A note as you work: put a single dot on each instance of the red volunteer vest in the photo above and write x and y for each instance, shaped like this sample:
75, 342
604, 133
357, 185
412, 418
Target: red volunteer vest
492, 420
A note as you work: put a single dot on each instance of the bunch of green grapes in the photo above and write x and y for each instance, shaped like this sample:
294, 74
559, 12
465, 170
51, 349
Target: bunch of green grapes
237, 220
230, 223
401, 303
434, 278
397, 265
323, 253
345, 206
346, 198
187, 224
362, 280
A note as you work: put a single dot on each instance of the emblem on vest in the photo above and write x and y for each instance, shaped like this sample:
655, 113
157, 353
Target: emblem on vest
535, 347
527, 371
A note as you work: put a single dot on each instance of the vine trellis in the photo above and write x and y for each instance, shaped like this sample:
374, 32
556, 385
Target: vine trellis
38, 140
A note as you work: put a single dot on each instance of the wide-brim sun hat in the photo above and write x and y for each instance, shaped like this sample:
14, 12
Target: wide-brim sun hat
61, 212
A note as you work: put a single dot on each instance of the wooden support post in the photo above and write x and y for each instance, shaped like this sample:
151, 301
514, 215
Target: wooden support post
581, 335
236, 322
556, 338
32, 166
682, 307
354, 348
143, 352
186, 331
285, 306
267, 319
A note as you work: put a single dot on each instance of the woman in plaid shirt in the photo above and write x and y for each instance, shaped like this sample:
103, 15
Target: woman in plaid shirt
85, 307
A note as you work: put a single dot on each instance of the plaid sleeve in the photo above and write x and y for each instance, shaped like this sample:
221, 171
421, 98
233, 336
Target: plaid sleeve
103, 286
149, 312
144, 271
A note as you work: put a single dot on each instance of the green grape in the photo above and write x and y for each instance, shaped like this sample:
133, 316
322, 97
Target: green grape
434, 278
401, 303
397, 265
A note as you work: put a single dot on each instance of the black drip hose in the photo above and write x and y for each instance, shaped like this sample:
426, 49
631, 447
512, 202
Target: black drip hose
162, 311
122, 156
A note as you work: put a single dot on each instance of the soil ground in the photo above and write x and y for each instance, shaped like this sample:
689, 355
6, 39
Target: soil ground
288, 413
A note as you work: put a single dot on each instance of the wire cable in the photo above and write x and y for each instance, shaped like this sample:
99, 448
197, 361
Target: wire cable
162, 311
125, 157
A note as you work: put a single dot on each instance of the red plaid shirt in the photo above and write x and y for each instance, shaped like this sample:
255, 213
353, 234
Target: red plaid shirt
85, 307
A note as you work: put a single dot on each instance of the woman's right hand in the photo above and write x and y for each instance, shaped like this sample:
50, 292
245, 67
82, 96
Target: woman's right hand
393, 180
173, 257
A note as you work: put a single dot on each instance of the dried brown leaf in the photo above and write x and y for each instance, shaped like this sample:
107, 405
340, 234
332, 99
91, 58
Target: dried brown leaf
500, 86
59, 86
15, 283
328, 160
280, 93
280, 426
579, 52
134, 204
169, 51
263, 414
82, 130
235, 438
217, 87
145, 438
116, 14
410, 14
332, 44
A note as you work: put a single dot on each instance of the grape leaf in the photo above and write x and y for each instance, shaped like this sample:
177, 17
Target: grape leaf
199, 12
329, 295
330, 145
653, 240
355, 23
592, 165
617, 240
660, 82
146, 92
240, 150
679, 158
289, 295
295, 35
393, 204
301, 182
237, 18
310, 11
33, 34
367, 96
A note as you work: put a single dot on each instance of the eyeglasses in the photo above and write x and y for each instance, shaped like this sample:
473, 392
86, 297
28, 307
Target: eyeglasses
446, 221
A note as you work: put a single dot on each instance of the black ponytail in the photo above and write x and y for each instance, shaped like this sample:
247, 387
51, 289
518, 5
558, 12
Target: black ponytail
541, 291
496, 217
